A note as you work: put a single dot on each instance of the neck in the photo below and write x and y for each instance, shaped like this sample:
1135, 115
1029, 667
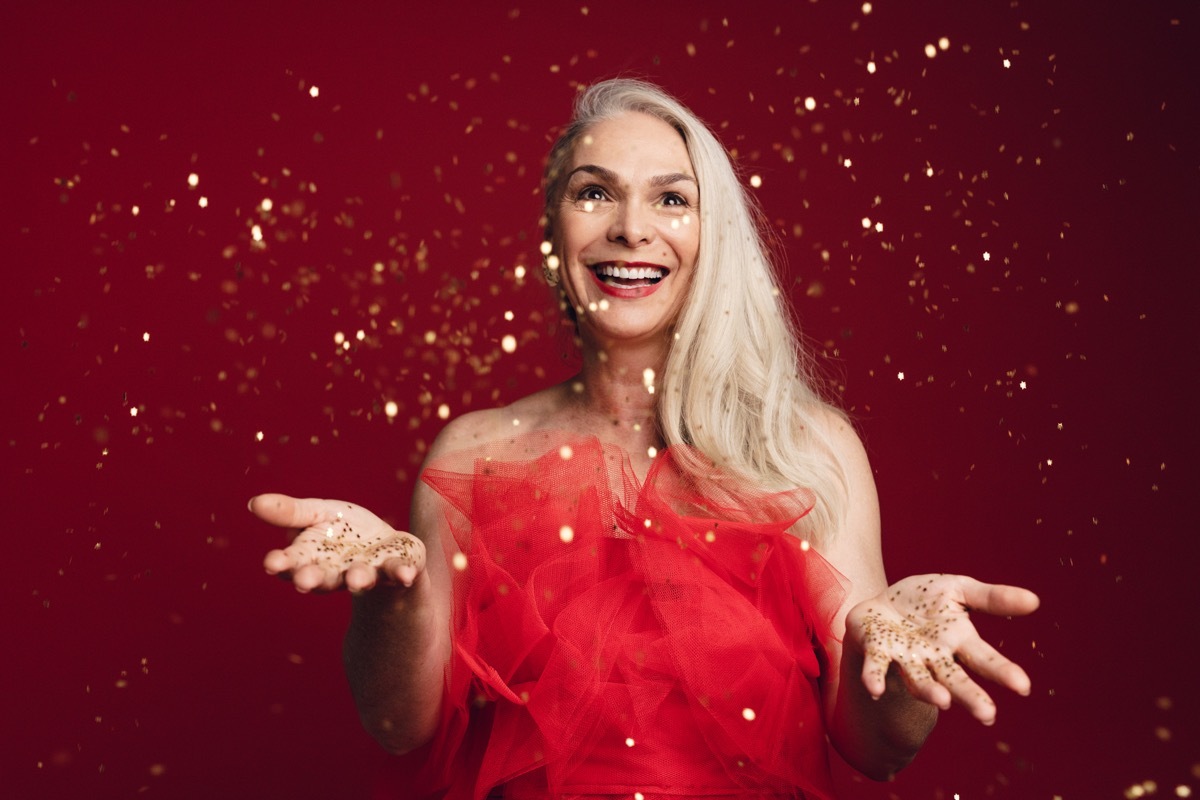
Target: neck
612, 390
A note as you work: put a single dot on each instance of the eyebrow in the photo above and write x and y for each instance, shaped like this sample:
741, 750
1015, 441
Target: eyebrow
608, 175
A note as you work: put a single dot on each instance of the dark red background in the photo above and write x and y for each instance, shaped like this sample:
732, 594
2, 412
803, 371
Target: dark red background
1040, 435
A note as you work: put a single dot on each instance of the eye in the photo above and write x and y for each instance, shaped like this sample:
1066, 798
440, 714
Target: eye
674, 199
593, 193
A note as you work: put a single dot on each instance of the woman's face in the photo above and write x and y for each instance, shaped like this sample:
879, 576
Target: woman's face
628, 227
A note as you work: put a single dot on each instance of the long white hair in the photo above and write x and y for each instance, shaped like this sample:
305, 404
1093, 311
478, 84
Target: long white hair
738, 386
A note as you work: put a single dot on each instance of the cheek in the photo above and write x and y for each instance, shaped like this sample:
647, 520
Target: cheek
578, 232
573, 276
687, 246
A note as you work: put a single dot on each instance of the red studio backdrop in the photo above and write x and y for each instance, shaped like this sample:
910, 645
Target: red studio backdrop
261, 247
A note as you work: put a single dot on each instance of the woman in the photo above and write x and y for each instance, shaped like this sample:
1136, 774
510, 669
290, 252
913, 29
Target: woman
612, 586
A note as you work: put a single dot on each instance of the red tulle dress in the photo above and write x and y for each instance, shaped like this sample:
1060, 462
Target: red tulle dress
622, 638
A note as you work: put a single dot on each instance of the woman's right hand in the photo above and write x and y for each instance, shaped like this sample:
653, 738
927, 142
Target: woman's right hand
337, 545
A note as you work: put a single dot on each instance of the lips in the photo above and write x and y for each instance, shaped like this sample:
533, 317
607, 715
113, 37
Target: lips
621, 274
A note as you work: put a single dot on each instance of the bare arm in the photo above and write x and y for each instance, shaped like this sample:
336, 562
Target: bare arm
876, 737
398, 643
399, 640
902, 646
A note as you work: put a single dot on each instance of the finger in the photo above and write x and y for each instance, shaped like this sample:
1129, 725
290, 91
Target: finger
360, 577
986, 661
874, 671
290, 512
876, 634
400, 570
302, 551
996, 598
920, 682
406, 550
277, 561
963, 690
316, 578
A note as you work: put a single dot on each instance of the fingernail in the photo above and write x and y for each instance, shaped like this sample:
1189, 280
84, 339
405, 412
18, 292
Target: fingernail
250, 504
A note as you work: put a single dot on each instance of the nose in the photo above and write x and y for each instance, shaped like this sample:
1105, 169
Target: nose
632, 225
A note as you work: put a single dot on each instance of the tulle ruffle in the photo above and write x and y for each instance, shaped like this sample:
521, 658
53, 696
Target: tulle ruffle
613, 637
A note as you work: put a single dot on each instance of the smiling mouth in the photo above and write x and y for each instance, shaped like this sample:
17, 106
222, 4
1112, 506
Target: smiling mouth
629, 275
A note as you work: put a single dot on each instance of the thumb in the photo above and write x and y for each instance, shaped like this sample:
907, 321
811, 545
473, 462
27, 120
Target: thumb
288, 512
997, 598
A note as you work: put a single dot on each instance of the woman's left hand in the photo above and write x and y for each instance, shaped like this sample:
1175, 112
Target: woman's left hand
922, 625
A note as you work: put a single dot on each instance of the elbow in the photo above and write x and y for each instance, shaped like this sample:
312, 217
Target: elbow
396, 739
399, 724
398, 748
883, 770
883, 754
878, 736
882, 764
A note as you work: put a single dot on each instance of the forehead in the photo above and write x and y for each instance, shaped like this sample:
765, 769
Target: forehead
633, 142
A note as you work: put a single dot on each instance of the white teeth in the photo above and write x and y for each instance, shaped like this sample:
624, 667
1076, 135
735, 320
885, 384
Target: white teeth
629, 273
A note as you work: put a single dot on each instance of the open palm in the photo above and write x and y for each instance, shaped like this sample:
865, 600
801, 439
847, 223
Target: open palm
922, 624
337, 545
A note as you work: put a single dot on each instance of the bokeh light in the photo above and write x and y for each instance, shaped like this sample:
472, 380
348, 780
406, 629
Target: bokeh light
229, 281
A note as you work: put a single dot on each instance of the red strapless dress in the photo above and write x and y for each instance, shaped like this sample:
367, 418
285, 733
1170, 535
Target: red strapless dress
621, 638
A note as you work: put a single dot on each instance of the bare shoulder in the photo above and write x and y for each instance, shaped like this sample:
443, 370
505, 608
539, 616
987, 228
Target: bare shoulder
469, 430
490, 426
477, 429
831, 428
834, 428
